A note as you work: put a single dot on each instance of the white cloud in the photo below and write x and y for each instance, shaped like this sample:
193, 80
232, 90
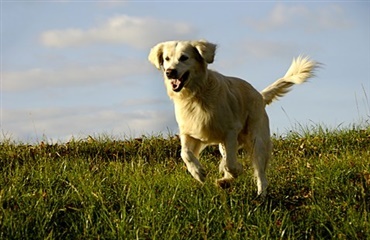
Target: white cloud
62, 123
71, 76
133, 31
303, 17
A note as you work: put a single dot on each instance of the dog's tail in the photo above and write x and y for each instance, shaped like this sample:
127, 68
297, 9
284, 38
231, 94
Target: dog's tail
302, 68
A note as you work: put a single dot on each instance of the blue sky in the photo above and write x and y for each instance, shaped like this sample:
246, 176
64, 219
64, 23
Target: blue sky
79, 68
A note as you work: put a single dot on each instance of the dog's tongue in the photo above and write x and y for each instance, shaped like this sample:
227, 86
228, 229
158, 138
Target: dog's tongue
175, 83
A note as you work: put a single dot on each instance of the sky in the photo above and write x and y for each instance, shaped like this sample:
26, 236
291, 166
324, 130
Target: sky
70, 69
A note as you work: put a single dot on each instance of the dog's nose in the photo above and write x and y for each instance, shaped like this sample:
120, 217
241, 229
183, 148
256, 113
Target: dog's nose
171, 73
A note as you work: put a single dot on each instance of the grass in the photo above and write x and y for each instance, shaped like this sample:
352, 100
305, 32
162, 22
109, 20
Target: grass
139, 189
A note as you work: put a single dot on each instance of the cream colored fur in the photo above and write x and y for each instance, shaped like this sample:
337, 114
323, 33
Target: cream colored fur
211, 108
300, 70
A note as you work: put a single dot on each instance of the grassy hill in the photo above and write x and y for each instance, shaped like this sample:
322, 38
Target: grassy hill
140, 189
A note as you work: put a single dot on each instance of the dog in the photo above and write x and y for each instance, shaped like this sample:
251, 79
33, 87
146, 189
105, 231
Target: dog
211, 108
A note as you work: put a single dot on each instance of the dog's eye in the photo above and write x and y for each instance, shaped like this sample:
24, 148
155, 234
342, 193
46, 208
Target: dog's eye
183, 58
167, 59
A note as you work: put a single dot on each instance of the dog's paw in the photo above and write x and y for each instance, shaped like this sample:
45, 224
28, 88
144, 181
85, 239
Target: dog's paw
202, 175
199, 174
235, 170
262, 194
259, 199
224, 183
197, 171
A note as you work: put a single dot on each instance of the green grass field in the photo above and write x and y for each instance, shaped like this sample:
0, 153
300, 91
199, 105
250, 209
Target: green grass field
100, 188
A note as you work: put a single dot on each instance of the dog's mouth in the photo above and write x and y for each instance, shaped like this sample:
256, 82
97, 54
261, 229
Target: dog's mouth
178, 84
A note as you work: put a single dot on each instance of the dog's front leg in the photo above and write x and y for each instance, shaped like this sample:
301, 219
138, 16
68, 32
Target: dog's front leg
229, 164
190, 149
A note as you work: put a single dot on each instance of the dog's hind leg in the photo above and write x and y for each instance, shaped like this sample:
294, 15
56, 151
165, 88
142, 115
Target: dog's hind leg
261, 154
190, 149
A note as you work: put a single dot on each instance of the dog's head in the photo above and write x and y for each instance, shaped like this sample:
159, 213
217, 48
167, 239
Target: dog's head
182, 62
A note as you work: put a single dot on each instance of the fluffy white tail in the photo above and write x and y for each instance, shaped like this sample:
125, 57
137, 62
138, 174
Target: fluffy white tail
302, 68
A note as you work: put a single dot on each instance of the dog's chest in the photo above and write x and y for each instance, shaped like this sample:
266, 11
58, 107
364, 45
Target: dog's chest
198, 120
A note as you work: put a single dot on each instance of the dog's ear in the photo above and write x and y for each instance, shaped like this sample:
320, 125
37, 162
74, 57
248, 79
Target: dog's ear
156, 55
206, 50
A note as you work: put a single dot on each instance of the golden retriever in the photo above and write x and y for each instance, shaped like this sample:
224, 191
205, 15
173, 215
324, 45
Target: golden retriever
211, 108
